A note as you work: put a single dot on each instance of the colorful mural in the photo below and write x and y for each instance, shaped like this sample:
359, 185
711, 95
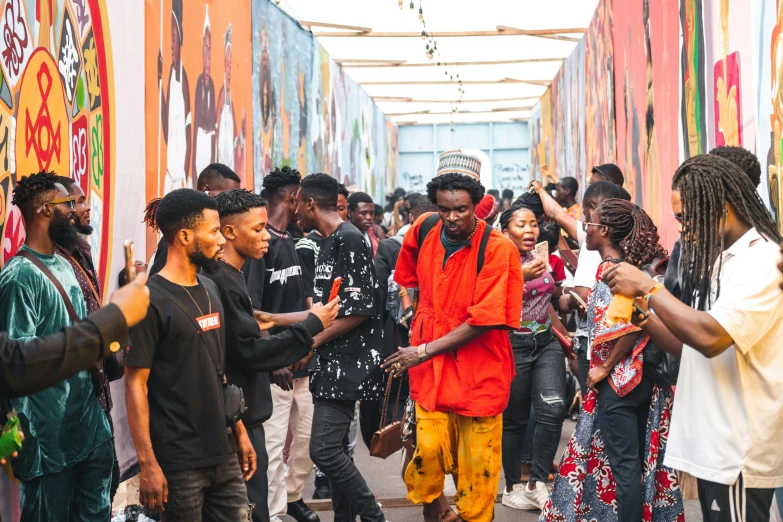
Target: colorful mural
599, 88
57, 110
693, 112
196, 114
769, 88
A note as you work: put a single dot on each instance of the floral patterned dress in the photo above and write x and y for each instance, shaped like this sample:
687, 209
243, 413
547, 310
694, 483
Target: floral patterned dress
584, 488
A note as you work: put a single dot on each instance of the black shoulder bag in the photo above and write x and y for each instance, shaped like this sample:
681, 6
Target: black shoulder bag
662, 367
233, 397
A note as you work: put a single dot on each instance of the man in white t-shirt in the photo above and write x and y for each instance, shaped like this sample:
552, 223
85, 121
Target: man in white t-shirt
587, 264
727, 422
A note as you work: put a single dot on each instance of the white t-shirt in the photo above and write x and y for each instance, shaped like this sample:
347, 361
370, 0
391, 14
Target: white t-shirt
728, 411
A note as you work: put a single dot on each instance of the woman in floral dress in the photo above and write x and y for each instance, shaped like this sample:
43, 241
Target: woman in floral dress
613, 467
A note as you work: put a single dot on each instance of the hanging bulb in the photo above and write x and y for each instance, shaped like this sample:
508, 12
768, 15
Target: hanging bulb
421, 14
423, 35
412, 6
435, 45
446, 73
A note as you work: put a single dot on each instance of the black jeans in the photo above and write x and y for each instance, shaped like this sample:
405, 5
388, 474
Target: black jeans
623, 423
722, 503
257, 486
540, 380
584, 365
350, 494
215, 493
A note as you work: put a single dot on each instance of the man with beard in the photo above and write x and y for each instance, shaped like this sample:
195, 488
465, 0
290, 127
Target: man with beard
250, 356
66, 461
174, 377
213, 180
80, 259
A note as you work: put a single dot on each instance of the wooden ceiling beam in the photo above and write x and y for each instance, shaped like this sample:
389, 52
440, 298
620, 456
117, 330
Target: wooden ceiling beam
392, 99
464, 82
551, 36
363, 64
359, 29
451, 34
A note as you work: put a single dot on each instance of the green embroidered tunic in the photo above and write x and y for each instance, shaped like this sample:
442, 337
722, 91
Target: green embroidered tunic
64, 423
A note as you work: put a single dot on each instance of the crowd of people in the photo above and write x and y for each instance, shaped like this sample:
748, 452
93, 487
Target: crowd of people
275, 329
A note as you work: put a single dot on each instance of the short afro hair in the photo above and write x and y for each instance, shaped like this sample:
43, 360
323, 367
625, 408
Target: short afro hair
508, 194
182, 208
66, 182
342, 191
610, 172
237, 201
570, 184
359, 197
217, 171
421, 204
495, 193
601, 190
744, 159
32, 191
321, 188
281, 178
454, 181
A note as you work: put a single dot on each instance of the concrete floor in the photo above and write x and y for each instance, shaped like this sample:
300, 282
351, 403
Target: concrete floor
384, 479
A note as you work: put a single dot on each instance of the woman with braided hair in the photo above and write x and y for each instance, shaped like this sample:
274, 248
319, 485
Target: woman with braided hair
728, 419
615, 456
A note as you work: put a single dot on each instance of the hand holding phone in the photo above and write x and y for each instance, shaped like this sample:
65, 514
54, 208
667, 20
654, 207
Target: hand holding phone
335, 288
542, 253
578, 299
130, 261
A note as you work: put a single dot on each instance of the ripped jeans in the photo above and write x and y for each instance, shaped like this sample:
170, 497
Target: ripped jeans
540, 380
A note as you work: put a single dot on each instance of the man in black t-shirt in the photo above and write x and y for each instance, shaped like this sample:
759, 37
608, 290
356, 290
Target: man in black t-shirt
213, 180
277, 287
348, 352
243, 220
174, 378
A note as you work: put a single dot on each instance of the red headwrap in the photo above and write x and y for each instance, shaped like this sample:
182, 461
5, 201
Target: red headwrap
486, 208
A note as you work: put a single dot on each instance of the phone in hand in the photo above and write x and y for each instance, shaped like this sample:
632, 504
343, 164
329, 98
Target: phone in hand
335, 288
130, 260
578, 299
542, 253
10, 440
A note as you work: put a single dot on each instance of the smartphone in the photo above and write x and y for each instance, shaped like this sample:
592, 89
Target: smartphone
542, 253
335, 288
130, 260
578, 299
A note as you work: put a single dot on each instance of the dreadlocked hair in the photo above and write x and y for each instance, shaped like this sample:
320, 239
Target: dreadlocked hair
706, 183
632, 230
505, 217
149, 213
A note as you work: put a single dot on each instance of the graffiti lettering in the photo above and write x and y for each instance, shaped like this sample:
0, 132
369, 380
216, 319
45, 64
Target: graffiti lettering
15, 37
40, 135
79, 158
96, 147
513, 176
413, 182
4, 143
68, 63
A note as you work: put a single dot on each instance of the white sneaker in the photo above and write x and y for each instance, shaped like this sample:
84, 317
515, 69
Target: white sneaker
515, 498
536, 498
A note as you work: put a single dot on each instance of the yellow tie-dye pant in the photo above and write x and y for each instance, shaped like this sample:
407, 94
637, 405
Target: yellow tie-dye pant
466, 447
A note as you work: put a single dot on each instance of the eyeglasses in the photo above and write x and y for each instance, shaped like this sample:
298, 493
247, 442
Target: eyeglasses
678, 217
70, 200
586, 224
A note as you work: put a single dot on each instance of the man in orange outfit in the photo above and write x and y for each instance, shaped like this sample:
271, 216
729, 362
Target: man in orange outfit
460, 360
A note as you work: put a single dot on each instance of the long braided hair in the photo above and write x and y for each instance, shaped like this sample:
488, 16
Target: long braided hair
505, 217
706, 183
631, 230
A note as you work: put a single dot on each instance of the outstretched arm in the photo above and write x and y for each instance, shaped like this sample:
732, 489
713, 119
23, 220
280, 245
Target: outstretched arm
555, 212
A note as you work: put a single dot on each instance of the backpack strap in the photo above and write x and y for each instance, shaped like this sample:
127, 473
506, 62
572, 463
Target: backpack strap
427, 226
483, 248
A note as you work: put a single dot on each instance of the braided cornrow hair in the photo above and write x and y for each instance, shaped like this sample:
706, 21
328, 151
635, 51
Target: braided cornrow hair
505, 217
632, 230
706, 183
149, 213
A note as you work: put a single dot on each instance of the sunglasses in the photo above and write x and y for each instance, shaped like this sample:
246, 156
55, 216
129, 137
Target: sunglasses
586, 224
69, 200
678, 217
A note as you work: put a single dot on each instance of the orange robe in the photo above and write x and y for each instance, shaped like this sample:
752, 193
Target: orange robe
475, 379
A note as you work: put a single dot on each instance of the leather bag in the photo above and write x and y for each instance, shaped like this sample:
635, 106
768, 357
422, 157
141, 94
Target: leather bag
388, 439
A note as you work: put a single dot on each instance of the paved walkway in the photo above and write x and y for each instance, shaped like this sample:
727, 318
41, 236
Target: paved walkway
383, 477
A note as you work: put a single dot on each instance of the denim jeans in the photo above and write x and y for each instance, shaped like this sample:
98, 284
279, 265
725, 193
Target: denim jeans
328, 448
623, 423
540, 381
215, 493
258, 486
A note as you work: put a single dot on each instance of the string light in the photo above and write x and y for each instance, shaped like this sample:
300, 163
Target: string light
412, 6
400, 2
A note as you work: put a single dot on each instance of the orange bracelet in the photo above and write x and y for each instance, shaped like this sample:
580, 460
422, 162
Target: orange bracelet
655, 289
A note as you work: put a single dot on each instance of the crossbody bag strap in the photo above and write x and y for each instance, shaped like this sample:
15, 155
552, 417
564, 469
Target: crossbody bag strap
42, 267
152, 281
87, 277
483, 247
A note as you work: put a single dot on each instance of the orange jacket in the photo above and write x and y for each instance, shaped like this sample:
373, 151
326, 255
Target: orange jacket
474, 380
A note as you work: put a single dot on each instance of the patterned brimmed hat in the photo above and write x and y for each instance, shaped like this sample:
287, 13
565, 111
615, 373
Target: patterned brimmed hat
456, 161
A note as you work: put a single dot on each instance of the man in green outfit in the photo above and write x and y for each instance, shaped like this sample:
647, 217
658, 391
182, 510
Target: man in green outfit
66, 461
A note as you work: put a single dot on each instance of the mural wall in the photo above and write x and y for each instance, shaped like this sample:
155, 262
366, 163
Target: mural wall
57, 109
599, 88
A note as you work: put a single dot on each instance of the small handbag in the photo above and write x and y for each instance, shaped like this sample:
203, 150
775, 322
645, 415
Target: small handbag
388, 439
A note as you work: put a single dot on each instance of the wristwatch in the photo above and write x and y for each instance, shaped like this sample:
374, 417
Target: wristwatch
423, 352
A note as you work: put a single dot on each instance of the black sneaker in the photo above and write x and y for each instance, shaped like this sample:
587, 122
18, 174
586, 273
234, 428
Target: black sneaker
322, 490
301, 513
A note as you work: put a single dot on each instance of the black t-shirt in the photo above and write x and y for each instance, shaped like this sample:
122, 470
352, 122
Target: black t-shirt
187, 412
307, 250
349, 366
161, 255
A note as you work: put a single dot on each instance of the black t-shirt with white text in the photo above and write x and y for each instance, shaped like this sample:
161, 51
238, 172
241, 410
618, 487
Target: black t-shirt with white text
187, 410
349, 366
307, 250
